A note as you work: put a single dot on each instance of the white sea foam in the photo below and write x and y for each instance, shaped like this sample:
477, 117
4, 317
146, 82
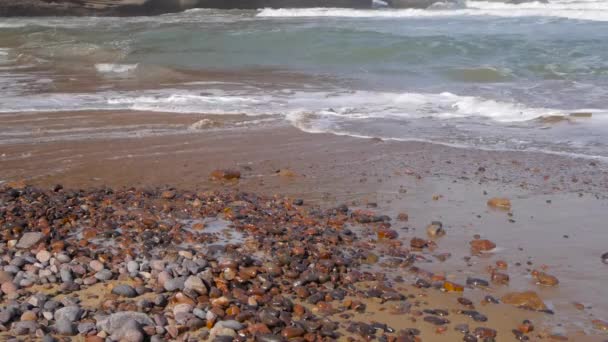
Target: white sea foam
109, 68
581, 10
351, 105
474, 121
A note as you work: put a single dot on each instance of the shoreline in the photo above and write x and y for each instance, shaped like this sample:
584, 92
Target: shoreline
550, 196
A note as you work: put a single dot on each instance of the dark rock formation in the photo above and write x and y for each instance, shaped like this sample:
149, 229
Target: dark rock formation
16, 8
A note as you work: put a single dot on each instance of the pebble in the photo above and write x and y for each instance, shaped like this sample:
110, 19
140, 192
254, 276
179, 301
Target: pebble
29, 239
500, 203
481, 332
226, 174
196, 284
124, 290
500, 278
476, 282
86, 328
545, 279
112, 323
482, 245
231, 324
175, 284
418, 243
103, 275
43, 256
96, 265
132, 266
435, 229
9, 287
436, 320
129, 331
68, 313
5, 277
24, 328
66, 275
469, 338
529, 299
600, 325
605, 258
28, 316
462, 328
65, 327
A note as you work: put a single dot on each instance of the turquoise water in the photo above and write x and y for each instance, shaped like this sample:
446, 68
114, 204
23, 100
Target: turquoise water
482, 76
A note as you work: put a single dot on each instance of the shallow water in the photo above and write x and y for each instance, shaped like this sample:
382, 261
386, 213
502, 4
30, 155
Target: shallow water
481, 75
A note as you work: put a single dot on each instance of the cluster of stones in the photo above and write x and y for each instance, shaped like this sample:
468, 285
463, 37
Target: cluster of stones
138, 264
154, 279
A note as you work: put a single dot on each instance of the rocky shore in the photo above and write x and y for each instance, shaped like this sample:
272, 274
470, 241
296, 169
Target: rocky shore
162, 264
27, 8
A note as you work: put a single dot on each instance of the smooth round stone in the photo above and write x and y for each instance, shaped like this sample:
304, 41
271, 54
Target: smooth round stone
63, 258
96, 265
65, 327
175, 284
68, 313
66, 275
8, 287
605, 258
124, 290
103, 275
5, 276
182, 308
132, 266
199, 313
231, 324
43, 256
28, 316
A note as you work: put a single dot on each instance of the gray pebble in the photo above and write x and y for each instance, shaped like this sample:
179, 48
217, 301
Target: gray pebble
124, 290
104, 275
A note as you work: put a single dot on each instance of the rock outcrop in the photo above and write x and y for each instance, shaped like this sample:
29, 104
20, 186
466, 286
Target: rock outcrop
16, 8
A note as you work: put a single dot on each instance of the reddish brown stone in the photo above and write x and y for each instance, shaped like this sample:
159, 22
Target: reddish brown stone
482, 245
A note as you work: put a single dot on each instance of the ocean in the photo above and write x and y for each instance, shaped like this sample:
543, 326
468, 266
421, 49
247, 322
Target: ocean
484, 75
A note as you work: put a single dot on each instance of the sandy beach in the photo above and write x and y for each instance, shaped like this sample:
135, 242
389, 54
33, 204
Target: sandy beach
554, 224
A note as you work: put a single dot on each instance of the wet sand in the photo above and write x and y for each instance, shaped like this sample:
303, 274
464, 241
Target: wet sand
556, 222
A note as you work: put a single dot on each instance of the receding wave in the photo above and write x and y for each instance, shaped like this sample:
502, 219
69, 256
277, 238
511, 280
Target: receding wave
345, 104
